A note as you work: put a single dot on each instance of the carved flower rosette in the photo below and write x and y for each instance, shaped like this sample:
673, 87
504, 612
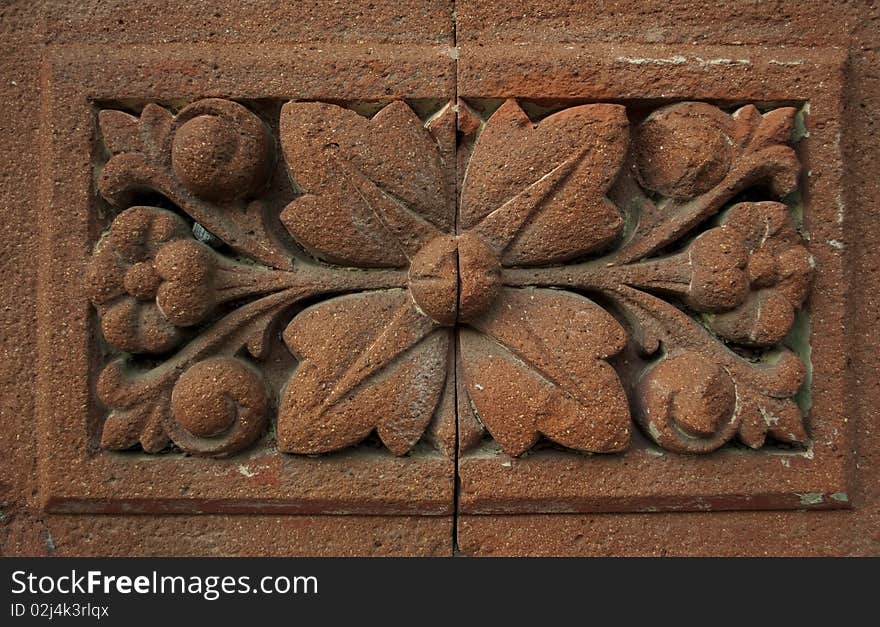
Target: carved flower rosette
588, 271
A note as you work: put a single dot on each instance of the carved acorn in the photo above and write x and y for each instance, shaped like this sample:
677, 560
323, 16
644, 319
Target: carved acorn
220, 150
186, 268
719, 280
685, 149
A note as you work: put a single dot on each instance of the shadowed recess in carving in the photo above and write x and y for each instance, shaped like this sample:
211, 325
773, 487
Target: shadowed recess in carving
580, 236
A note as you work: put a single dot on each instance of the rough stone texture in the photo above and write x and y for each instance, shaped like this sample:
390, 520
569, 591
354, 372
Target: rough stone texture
371, 53
744, 278
372, 192
507, 50
222, 536
559, 36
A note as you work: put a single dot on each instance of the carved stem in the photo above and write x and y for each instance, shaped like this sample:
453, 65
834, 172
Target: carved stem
655, 320
590, 275
234, 281
779, 374
669, 274
681, 217
232, 331
130, 172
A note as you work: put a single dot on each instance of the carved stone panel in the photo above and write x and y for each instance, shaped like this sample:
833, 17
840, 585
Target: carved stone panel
614, 292
684, 311
227, 317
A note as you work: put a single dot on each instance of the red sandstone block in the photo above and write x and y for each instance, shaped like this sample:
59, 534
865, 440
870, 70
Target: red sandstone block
312, 265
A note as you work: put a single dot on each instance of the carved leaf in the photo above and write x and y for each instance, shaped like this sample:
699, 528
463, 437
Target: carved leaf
746, 119
780, 418
757, 131
155, 126
443, 127
124, 428
765, 150
368, 361
360, 177
779, 166
502, 226
775, 128
566, 163
534, 365
137, 415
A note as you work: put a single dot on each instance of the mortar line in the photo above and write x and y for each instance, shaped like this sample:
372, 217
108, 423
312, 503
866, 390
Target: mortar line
457, 202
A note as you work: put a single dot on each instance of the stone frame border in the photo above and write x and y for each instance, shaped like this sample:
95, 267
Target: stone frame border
76, 478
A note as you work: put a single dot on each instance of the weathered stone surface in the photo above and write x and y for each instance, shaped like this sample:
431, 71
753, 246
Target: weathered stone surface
648, 279
537, 191
691, 293
379, 361
371, 191
674, 67
226, 286
211, 535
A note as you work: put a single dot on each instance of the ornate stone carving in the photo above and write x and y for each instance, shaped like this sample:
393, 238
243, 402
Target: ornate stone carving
591, 274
